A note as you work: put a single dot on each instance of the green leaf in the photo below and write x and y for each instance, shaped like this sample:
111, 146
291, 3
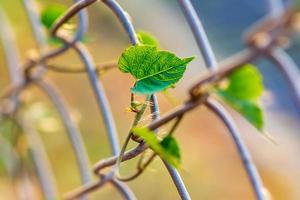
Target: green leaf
154, 70
51, 13
147, 39
248, 108
170, 145
168, 148
245, 83
244, 88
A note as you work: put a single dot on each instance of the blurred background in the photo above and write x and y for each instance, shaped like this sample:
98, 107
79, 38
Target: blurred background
210, 166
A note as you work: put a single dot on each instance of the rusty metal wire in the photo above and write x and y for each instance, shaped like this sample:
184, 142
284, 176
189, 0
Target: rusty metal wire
262, 41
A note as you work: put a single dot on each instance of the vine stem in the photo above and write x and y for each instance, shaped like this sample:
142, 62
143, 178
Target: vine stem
142, 166
136, 120
180, 110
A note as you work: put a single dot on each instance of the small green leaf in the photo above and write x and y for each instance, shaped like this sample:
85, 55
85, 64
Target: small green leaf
154, 70
249, 109
147, 39
168, 148
51, 13
245, 83
170, 145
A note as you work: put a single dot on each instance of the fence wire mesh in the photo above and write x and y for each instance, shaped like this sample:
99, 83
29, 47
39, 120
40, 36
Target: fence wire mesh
262, 41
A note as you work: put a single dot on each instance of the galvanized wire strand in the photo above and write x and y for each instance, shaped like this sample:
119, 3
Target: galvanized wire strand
125, 20
82, 27
289, 69
210, 60
211, 63
102, 103
78, 6
11, 50
176, 178
9, 154
83, 24
281, 59
199, 34
120, 13
37, 29
275, 8
90, 68
98, 87
73, 132
244, 154
122, 188
40, 159
60, 104
100, 96
181, 188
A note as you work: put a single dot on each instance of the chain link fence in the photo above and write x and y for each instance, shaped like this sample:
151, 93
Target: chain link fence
262, 40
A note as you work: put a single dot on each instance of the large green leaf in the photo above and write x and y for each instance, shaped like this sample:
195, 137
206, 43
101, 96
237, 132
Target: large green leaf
168, 148
147, 39
51, 13
154, 70
245, 83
